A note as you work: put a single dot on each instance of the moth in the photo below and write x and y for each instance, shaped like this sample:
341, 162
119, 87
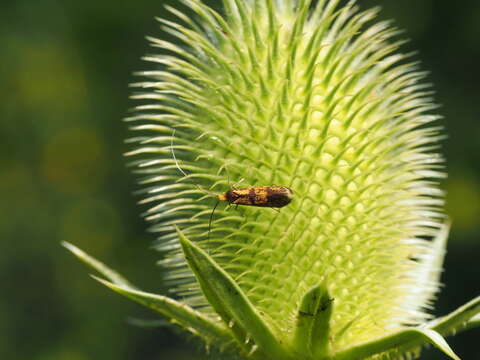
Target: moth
260, 196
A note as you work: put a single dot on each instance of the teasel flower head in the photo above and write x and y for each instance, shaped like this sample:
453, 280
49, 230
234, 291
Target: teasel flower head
316, 97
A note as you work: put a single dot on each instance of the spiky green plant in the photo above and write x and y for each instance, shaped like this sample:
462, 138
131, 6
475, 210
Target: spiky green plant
316, 98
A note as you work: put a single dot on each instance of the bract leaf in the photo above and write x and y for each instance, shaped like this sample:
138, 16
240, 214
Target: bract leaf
436, 339
179, 313
110, 274
230, 302
402, 341
313, 323
175, 311
474, 322
466, 316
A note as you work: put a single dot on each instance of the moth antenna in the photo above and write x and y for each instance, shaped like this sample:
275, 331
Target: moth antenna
198, 186
173, 154
211, 218
181, 170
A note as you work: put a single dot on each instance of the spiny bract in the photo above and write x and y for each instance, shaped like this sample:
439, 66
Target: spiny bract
312, 96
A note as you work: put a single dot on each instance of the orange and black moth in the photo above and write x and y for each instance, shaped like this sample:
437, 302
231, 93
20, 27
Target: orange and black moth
260, 196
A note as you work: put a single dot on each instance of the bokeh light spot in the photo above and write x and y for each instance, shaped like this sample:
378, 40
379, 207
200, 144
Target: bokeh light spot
73, 161
463, 201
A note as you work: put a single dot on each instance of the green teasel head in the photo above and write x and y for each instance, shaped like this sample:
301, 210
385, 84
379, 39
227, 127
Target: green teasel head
316, 97
277, 95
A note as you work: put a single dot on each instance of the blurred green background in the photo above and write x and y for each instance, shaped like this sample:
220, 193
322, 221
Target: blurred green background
65, 67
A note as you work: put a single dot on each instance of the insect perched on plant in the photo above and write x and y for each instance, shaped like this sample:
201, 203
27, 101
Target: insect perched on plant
259, 196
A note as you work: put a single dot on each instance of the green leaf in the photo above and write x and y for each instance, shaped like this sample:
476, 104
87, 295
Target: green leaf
110, 274
313, 323
179, 313
175, 311
437, 340
230, 302
474, 322
466, 316
402, 341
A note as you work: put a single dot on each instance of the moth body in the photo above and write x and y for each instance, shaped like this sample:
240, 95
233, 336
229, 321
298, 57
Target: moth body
260, 196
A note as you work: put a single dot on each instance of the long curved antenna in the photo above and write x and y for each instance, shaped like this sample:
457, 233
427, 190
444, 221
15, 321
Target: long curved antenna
211, 218
198, 186
181, 170
173, 154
